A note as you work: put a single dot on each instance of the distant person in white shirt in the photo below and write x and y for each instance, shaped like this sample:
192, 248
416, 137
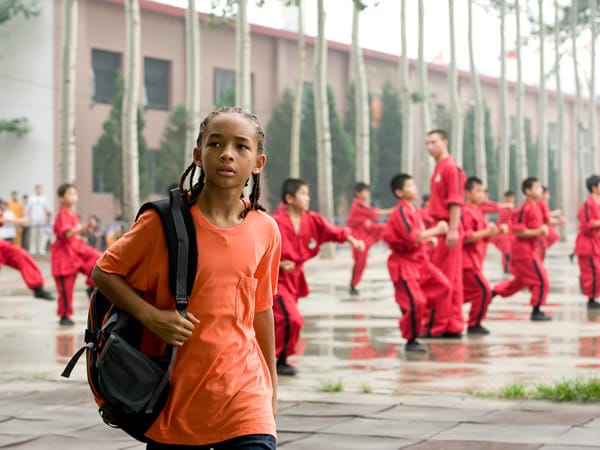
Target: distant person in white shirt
38, 214
9, 231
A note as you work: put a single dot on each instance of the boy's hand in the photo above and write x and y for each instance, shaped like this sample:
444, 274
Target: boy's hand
492, 229
358, 245
170, 326
442, 227
504, 228
287, 265
544, 229
433, 241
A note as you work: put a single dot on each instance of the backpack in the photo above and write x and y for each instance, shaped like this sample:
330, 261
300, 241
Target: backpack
129, 387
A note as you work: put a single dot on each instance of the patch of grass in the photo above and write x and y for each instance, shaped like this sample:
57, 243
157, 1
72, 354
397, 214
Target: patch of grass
365, 388
567, 390
330, 386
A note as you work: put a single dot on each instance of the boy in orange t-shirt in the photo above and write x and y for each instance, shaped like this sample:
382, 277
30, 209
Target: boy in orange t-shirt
223, 381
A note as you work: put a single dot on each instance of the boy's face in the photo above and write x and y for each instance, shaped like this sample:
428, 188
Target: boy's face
364, 195
409, 191
596, 189
535, 191
300, 200
476, 195
70, 197
509, 198
436, 145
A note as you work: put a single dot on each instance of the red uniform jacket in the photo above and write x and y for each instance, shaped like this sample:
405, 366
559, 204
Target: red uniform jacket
428, 221
446, 188
473, 220
503, 241
65, 251
527, 215
587, 242
299, 248
408, 256
362, 222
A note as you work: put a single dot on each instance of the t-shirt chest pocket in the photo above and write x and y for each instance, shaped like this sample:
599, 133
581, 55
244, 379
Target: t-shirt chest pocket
245, 298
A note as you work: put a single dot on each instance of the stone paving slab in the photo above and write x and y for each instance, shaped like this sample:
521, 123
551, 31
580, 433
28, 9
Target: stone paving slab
511, 433
470, 445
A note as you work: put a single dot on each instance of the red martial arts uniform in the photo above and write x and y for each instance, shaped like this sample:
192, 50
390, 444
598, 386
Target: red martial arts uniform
362, 221
526, 257
418, 284
69, 255
553, 235
504, 241
20, 260
489, 207
476, 287
587, 247
299, 248
446, 189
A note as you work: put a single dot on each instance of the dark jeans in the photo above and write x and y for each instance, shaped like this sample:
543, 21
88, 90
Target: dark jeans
249, 442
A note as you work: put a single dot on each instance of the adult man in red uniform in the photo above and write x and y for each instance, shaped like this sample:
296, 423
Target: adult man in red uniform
446, 196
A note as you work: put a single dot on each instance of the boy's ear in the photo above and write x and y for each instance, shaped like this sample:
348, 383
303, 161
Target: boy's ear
197, 153
261, 160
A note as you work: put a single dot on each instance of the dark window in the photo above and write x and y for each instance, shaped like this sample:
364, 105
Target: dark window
105, 67
157, 83
224, 87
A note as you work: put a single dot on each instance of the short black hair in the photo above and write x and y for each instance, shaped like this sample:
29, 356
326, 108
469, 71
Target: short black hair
509, 193
439, 131
63, 188
359, 186
398, 181
425, 198
591, 182
471, 182
291, 186
528, 183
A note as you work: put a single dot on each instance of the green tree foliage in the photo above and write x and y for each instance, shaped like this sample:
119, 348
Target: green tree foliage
278, 143
389, 143
469, 142
107, 167
172, 150
12, 8
532, 151
19, 127
491, 158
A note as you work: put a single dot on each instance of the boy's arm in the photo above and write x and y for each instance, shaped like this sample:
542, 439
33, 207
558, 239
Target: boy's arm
385, 212
166, 324
265, 336
440, 228
532, 232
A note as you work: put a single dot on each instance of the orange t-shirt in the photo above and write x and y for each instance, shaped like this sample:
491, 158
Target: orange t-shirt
220, 385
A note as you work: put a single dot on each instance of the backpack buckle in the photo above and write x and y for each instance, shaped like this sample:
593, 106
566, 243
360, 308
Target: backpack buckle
181, 303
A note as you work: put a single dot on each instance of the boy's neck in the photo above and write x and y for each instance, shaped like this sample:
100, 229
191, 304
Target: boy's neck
223, 205
294, 211
596, 196
532, 199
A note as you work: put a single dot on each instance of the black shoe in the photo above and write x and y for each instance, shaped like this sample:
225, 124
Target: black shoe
354, 291
449, 335
286, 369
415, 346
571, 257
478, 329
539, 316
494, 293
593, 304
40, 292
65, 321
89, 291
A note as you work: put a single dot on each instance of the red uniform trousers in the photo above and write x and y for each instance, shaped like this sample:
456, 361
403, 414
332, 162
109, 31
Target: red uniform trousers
503, 243
415, 297
360, 258
20, 260
589, 269
65, 283
528, 273
477, 291
449, 260
288, 323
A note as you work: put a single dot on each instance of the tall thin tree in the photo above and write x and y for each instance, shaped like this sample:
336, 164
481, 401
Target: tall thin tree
298, 94
192, 79
520, 119
582, 165
479, 128
503, 128
561, 153
130, 155
242, 52
455, 106
361, 100
427, 167
408, 160
593, 100
68, 153
542, 141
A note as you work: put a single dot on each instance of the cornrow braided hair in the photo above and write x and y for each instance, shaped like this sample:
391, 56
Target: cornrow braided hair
192, 192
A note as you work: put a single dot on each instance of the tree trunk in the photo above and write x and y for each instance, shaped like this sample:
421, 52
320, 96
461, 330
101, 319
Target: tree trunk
192, 94
408, 159
297, 114
456, 111
479, 129
68, 152
562, 149
520, 121
542, 147
504, 131
129, 124
593, 100
242, 51
427, 167
361, 104
582, 165
324, 172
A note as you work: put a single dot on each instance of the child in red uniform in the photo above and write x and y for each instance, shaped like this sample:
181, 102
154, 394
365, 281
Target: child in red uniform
362, 221
19, 259
526, 263
417, 283
503, 240
302, 233
223, 381
587, 243
69, 253
476, 287
552, 219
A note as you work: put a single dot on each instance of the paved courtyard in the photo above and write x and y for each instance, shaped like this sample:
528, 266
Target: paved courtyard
388, 399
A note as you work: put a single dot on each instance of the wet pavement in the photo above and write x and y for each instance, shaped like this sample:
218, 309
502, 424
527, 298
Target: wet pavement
388, 399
